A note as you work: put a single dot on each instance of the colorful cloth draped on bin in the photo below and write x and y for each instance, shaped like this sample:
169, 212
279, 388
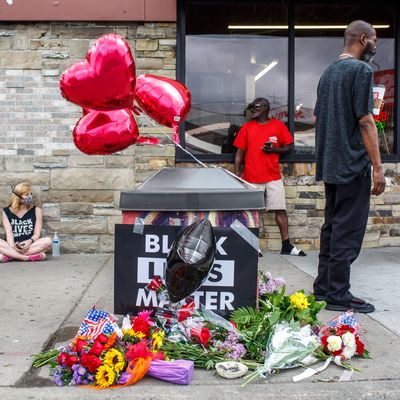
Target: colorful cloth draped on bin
249, 218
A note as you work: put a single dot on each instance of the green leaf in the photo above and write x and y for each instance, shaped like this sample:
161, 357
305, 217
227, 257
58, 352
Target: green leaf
245, 315
274, 318
278, 299
209, 364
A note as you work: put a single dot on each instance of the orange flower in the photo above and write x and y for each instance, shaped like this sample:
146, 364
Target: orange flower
111, 341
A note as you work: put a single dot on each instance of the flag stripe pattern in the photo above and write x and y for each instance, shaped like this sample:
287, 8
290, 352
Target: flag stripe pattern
95, 323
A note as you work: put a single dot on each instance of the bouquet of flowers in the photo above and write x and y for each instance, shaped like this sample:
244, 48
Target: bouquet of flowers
340, 339
119, 358
288, 347
343, 342
256, 325
78, 363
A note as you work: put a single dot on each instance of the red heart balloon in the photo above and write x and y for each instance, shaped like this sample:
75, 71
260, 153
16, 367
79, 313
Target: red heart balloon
165, 100
105, 80
105, 132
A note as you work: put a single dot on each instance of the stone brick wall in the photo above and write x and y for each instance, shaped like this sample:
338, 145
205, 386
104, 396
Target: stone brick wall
305, 202
79, 194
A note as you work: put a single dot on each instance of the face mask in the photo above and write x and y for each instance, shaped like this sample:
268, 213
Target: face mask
368, 54
27, 200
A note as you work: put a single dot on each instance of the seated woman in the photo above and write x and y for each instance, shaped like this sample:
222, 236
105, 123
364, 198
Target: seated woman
22, 222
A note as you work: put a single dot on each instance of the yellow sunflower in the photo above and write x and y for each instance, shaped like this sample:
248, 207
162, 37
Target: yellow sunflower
299, 301
157, 339
133, 334
114, 358
105, 376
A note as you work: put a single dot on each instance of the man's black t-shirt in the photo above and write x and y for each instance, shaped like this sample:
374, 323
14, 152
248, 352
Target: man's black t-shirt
344, 95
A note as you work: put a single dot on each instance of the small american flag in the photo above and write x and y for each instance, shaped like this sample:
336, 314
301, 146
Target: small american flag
347, 318
97, 322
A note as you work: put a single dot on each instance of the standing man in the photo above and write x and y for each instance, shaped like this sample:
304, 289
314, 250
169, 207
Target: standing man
260, 143
346, 145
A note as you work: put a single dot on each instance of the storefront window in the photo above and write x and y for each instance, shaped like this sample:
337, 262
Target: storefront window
228, 64
319, 41
236, 51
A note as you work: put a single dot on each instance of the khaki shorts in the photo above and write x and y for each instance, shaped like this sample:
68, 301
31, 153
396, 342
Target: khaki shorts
274, 193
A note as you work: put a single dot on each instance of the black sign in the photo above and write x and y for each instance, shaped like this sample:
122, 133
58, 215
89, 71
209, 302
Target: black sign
232, 282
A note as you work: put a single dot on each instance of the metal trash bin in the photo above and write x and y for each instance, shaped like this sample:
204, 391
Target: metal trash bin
154, 213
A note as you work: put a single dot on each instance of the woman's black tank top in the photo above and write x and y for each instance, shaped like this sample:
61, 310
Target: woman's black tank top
23, 227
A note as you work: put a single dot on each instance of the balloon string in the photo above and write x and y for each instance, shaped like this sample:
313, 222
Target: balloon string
191, 155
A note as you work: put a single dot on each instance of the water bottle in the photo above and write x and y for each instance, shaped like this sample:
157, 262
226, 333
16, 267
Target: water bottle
56, 245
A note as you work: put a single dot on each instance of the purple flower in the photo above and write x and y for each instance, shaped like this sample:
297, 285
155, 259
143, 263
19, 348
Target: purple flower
58, 381
57, 376
79, 376
77, 380
231, 346
268, 284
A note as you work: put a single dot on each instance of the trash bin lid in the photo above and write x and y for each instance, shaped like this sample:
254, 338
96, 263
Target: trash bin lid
192, 189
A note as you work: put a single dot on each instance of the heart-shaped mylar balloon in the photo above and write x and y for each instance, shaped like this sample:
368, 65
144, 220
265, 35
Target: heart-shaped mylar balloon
105, 132
190, 260
105, 80
165, 100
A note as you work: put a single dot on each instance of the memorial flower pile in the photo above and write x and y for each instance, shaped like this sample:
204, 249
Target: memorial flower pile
283, 331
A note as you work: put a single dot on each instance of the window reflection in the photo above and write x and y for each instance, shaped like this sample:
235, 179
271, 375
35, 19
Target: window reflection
226, 69
236, 51
315, 50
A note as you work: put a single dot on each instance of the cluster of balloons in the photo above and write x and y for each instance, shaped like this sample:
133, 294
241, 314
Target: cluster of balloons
190, 260
105, 86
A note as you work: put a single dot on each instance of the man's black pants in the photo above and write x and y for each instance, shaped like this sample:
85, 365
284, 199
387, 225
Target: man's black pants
346, 216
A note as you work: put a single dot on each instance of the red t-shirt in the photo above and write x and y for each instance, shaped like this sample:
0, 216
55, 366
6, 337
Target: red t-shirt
260, 167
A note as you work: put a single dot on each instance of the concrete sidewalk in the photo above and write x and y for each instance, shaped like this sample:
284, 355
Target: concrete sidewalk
43, 303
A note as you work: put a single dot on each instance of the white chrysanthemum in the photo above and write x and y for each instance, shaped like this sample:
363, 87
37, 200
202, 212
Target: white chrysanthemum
334, 343
349, 352
349, 339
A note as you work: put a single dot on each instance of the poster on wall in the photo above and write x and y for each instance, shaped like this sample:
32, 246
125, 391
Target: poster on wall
139, 256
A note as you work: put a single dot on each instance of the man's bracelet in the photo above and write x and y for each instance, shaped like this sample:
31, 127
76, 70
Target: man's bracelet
32, 240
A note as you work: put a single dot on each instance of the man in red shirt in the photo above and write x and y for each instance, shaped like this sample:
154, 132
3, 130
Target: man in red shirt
260, 143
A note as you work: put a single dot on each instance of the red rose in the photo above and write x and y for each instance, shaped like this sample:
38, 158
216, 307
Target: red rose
141, 325
102, 338
324, 341
138, 350
156, 284
96, 349
80, 345
359, 347
167, 316
153, 285
183, 315
186, 311
203, 335
62, 358
90, 361
71, 360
